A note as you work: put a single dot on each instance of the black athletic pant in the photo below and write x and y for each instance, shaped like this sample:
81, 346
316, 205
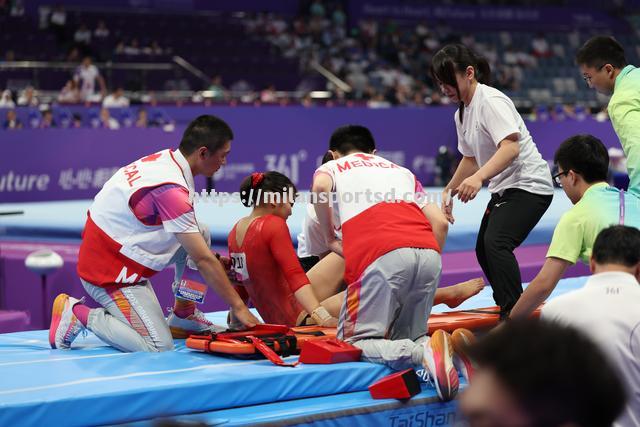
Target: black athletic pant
507, 221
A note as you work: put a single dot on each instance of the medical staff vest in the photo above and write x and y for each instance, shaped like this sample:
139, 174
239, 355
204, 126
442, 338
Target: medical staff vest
116, 246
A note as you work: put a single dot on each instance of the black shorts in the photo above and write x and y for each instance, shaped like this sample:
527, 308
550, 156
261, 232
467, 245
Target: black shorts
308, 262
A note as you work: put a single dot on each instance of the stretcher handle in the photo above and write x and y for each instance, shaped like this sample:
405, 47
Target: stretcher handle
269, 353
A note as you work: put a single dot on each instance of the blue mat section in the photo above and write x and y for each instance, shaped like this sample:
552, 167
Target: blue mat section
63, 221
352, 409
94, 384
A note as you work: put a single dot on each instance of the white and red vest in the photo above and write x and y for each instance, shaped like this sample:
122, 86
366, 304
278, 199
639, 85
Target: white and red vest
379, 210
116, 246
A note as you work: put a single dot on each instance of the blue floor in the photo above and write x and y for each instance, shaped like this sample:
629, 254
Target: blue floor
63, 221
95, 384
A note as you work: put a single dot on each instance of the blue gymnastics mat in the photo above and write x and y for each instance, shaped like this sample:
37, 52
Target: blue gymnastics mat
94, 384
63, 221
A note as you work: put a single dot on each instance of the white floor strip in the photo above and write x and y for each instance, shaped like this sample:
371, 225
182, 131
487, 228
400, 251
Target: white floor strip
62, 359
136, 375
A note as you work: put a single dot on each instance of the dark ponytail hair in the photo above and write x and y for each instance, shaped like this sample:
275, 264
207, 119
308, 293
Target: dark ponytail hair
259, 183
455, 58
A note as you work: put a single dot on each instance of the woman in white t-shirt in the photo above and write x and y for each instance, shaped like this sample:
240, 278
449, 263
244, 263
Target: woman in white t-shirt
496, 146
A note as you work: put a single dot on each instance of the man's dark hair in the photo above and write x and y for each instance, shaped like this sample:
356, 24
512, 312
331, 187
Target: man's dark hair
586, 155
601, 50
617, 244
205, 131
556, 374
327, 157
352, 138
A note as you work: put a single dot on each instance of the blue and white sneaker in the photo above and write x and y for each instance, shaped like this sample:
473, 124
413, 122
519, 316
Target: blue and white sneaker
65, 326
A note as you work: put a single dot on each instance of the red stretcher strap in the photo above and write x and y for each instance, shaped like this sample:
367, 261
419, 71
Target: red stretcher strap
268, 353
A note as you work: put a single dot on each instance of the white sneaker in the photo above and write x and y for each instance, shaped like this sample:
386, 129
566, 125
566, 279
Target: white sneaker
65, 326
438, 360
194, 324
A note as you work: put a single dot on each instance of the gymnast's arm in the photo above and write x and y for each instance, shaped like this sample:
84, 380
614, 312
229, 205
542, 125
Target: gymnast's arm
214, 274
540, 287
276, 233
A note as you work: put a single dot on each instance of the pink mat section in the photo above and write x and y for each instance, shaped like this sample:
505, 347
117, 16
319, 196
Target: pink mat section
21, 290
13, 321
461, 266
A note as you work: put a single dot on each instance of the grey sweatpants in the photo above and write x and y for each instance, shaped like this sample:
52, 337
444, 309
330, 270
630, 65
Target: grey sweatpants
130, 319
386, 310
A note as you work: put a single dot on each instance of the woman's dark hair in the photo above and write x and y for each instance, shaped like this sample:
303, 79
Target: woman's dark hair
259, 183
455, 58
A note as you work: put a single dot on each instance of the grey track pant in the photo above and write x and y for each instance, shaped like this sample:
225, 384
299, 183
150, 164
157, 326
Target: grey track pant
386, 310
131, 318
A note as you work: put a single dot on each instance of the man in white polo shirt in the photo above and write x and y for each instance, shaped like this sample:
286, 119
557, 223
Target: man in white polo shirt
606, 308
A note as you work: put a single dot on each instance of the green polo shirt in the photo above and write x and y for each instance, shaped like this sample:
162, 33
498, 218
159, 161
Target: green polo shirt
578, 228
624, 110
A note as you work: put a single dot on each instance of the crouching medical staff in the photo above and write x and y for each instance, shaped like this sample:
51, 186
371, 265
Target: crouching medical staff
135, 228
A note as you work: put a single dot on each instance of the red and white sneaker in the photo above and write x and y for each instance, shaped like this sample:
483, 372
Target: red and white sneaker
437, 359
65, 326
461, 339
194, 324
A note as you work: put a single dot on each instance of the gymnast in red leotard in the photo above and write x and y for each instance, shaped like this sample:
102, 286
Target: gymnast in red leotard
264, 265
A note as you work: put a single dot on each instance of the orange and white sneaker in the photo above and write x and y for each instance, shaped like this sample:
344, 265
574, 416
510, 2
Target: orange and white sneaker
462, 339
65, 326
194, 324
437, 359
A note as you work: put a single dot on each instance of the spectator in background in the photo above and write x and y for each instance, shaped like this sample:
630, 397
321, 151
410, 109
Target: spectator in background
269, 95
69, 94
535, 373
108, 122
540, 48
47, 120
17, 9
6, 100
132, 48
74, 55
216, 87
338, 17
101, 31
116, 99
82, 36
12, 122
606, 308
85, 77
142, 121
317, 9
153, 49
77, 121
58, 23
28, 97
